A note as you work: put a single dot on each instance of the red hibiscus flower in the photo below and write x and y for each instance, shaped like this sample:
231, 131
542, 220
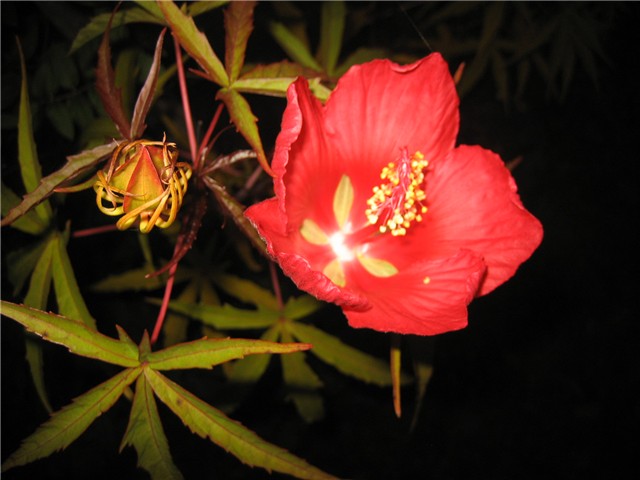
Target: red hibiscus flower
377, 211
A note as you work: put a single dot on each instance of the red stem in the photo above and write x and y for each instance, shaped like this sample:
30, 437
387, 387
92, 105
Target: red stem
276, 285
165, 304
93, 231
185, 105
212, 126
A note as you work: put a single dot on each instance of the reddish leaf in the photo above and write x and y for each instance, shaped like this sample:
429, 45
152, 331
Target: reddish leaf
238, 24
145, 98
106, 86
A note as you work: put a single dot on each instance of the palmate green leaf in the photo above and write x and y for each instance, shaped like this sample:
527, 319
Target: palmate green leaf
27, 153
274, 78
344, 358
245, 290
302, 306
98, 24
226, 316
71, 421
245, 121
293, 46
68, 296
249, 369
208, 352
238, 25
146, 435
146, 95
303, 384
194, 42
76, 164
73, 334
331, 30
208, 422
133, 280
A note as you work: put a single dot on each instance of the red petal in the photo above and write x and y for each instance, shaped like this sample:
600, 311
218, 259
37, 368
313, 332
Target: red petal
379, 107
300, 260
474, 204
405, 304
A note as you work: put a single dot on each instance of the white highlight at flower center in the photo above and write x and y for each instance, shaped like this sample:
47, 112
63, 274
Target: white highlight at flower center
343, 252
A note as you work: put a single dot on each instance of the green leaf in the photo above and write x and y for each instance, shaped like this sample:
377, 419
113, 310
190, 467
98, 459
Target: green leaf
21, 262
37, 296
245, 290
71, 421
196, 8
208, 352
238, 25
76, 164
344, 358
29, 223
359, 56
245, 122
146, 435
145, 98
98, 24
194, 42
248, 370
303, 384
133, 279
302, 306
27, 153
331, 30
208, 422
293, 46
70, 301
73, 334
274, 80
225, 317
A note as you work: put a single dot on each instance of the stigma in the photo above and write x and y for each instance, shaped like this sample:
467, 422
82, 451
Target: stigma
397, 202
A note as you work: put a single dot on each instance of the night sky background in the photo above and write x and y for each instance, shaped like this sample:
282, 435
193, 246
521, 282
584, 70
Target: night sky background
543, 383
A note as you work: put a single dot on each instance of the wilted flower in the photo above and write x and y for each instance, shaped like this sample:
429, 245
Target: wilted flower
377, 211
145, 183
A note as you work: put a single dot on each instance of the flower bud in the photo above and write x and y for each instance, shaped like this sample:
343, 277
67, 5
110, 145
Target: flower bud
144, 183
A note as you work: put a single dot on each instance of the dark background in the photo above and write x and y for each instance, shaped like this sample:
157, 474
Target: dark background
543, 383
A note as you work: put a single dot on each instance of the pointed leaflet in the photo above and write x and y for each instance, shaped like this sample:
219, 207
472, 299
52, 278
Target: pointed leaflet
71, 421
302, 383
75, 165
106, 87
73, 334
249, 369
302, 306
235, 210
291, 44
238, 24
245, 290
346, 359
209, 422
28, 223
21, 262
274, 79
224, 317
70, 301
145, 97
206, 353
27, 153
37, 296
331, 30
245, 122
146, 435
194, 42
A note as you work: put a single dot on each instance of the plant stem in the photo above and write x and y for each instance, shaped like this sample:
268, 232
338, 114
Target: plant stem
185, 105
276, 285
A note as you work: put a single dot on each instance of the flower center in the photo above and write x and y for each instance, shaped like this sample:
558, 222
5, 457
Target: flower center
397, 202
